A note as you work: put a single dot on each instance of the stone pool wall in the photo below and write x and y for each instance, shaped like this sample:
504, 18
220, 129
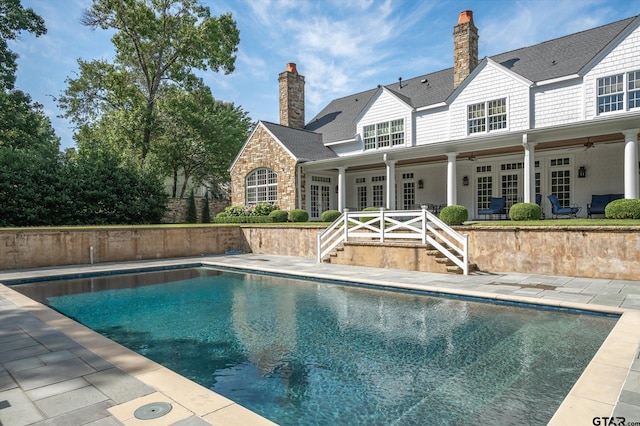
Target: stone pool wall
599, 252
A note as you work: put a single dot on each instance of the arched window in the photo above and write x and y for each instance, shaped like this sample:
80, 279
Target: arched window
261, 186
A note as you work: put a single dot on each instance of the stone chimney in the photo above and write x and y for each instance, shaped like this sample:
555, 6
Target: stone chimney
291, 86
465, 47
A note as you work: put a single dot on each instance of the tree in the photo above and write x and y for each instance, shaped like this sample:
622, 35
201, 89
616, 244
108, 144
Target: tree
206, 212
13, 20
192, 213
158, 43
199, 138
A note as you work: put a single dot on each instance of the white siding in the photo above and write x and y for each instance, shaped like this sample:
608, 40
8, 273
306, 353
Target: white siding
386, 107
558, 103
432, 126
491, 83
623, 58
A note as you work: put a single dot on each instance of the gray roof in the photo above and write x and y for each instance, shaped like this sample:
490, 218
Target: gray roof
303, 144
548, 60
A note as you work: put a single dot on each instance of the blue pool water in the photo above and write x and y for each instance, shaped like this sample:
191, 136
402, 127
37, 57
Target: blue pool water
316, 353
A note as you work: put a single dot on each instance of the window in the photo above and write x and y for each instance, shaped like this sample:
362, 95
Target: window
633, 86
383, 135
408, 195
362, 197
484, 190
261, 186
614, 89
487, 116
610, 93
560, 175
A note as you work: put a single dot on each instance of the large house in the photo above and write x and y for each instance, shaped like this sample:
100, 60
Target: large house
561, 117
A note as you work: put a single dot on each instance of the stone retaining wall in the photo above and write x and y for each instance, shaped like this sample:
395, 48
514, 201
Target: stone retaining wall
600, 252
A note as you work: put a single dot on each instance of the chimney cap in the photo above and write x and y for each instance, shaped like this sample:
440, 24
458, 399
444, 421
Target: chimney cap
291, 67
465, 16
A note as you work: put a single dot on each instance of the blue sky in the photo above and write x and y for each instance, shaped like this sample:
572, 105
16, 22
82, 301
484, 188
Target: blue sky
340, 46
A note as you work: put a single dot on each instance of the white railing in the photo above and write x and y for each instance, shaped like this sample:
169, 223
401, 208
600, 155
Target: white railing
386, 225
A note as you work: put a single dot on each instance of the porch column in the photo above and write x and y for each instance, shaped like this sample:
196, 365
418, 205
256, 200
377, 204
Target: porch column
341, 189
631, 163
391, 183
529, 170
452, 194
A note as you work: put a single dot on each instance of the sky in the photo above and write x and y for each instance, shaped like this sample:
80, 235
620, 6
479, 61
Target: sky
341, 47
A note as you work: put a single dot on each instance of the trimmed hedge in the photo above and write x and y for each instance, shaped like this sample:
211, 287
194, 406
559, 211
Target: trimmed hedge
298, 215
525, 211
279, 216
454, 215
242, 219
623, 209
329, 215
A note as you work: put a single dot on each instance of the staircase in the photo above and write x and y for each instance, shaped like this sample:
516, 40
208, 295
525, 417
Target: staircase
386, 231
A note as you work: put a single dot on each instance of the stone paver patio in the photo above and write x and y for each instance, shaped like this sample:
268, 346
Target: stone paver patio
55, 371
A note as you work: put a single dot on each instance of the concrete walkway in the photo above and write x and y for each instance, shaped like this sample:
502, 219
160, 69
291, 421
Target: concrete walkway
55, 371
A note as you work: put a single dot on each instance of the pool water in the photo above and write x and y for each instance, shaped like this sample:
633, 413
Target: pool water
320, 353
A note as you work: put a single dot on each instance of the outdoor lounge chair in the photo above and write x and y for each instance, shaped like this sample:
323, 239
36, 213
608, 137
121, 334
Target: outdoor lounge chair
495, 207
599, 202
539, 202
557, 210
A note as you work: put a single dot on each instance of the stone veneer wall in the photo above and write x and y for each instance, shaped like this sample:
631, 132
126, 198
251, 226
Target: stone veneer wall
610, 252
177, 209
263, 151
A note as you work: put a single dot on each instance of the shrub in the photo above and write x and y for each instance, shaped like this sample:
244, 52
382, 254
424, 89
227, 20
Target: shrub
329, 215
298, 215
222, 214
242, 219
370, 209
279, 215
623, 209
262, 209
454, 215
206, 213
525, 211
192, 214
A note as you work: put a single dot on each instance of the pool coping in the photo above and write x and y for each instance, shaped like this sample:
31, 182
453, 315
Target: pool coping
595, 394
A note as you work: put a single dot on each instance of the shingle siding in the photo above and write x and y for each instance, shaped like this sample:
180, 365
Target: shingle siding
560, 103
432, 126
623, 58
489, 84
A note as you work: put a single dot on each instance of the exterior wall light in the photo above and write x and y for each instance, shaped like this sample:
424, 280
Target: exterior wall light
582, 172
420, 184
465, 181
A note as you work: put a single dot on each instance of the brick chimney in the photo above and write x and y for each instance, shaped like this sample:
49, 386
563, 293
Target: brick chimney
465, 47
291, 86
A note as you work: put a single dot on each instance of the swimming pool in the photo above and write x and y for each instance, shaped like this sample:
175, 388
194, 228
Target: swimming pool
310, 352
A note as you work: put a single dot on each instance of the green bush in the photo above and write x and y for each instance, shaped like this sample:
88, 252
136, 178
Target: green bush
206, 213
261, 209
192, 214
298, 215
243, 219
623, 209
525, 211
370, 209
454, 215
279, 215
222, 214
329, 215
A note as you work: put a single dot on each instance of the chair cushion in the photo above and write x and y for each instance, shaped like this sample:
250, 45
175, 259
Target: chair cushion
598, 201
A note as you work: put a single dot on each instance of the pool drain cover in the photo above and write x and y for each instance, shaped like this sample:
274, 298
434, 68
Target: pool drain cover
152, 410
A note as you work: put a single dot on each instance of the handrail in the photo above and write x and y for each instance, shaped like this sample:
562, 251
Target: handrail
385, 225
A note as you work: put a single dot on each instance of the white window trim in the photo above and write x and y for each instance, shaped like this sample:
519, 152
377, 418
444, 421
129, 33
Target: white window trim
486, 116
625, 92
389, 134
268, 185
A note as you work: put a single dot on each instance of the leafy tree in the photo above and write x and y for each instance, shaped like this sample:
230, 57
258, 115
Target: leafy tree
157, 42
199, 138
192, 214
13, 20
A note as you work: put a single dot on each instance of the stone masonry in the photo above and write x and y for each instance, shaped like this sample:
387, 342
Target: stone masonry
465, 47
291, 87
263, 151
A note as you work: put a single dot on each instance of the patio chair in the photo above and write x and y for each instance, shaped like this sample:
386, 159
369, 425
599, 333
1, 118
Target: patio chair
539, 202
495, 207
557, 210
